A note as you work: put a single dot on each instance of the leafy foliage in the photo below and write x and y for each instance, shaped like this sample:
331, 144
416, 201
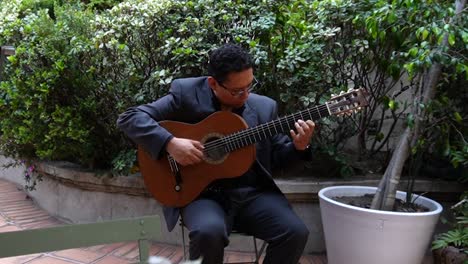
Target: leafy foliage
124, 163
458, 235
78, 64
45, 100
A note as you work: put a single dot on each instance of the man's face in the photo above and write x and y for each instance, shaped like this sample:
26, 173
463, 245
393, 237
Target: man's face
234, 91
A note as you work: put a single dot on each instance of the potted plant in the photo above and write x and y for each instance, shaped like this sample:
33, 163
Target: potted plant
359, 235
356, 235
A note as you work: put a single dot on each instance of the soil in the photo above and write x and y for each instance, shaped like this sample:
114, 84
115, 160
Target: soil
450, 255
366, 200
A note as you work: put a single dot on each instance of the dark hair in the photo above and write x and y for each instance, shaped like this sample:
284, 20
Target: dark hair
226, 59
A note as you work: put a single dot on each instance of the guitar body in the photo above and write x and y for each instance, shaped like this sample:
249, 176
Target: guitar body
160, 178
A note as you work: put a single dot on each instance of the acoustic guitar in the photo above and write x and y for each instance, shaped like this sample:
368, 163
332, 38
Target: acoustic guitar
229, 149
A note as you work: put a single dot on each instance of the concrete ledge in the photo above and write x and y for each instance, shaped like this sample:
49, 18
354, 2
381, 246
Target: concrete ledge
72, 175
306, 189
297, 189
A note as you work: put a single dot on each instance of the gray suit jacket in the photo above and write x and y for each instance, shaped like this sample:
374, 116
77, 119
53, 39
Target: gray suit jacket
191, 100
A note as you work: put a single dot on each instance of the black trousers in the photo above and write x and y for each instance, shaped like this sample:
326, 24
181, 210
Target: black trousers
264, 214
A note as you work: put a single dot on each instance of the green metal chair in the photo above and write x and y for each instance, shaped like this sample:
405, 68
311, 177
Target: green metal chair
32, 241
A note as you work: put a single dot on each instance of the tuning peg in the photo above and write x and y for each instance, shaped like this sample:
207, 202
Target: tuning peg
342, 92
350, 90
333, 95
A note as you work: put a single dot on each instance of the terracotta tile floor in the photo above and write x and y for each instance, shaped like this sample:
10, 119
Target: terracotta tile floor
18, 212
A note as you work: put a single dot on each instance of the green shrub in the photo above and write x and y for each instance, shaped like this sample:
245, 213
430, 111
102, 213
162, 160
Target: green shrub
101, 4
79, 67
48, 97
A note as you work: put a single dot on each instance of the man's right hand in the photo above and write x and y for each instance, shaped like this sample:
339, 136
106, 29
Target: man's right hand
185, 151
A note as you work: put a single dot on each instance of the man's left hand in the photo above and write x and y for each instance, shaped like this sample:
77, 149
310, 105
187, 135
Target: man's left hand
305, 130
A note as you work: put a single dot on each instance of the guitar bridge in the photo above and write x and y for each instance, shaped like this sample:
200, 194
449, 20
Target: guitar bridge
176, 172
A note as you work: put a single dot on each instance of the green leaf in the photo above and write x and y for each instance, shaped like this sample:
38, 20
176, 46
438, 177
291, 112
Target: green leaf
425, 33
458, 117
446, 148
451, 39
413, 52
410, 120
60, 65
12, 59
393, 105
379, 137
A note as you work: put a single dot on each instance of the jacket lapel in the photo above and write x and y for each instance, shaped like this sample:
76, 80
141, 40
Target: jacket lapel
250, 115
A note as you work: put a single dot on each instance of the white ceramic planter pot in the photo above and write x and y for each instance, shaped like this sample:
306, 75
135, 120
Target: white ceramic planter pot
355, 235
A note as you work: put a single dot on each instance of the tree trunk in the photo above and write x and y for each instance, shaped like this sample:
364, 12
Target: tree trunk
385, 197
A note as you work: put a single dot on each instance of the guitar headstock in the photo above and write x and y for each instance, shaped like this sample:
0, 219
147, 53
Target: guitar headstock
348, 102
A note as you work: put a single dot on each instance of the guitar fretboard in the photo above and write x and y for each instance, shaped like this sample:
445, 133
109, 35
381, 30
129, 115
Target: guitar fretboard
258, 133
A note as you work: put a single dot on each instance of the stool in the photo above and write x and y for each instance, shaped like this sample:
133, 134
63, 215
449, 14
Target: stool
258, 253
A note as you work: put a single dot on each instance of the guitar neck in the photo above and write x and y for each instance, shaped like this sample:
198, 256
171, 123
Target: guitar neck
283, 125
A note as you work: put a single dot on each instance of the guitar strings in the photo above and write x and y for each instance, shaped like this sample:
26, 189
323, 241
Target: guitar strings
285, 120
232, 139
241, 138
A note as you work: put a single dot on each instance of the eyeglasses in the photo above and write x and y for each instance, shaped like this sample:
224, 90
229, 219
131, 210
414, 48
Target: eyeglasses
241, 92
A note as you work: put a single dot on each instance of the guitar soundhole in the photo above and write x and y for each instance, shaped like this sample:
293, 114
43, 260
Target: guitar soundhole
215, 152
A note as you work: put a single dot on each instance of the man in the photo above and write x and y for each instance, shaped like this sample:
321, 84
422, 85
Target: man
251, 203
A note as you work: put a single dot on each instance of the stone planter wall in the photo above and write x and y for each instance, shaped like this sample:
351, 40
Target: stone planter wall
79, 196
